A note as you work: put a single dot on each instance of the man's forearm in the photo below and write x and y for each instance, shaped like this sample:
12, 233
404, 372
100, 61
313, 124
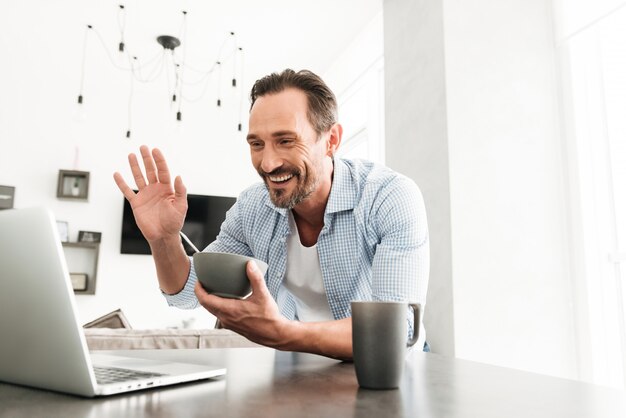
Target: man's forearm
172, 264
330, 339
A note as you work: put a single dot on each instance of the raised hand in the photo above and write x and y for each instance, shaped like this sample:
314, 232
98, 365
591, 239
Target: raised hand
159, 208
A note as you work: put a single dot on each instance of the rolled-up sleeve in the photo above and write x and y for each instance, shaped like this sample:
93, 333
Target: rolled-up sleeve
186, 298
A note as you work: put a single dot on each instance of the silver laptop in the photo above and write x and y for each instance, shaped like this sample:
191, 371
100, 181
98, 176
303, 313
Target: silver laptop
41, 342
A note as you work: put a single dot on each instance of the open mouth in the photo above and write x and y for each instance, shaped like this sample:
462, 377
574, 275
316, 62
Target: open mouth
280, 179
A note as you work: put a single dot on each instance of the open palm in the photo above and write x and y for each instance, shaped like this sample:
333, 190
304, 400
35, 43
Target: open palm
159, 208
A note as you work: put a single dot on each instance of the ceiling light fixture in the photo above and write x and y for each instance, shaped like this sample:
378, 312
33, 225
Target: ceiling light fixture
169, 60
168, 42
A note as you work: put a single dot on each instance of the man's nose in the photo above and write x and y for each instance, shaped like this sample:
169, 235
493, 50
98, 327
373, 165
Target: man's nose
271, 160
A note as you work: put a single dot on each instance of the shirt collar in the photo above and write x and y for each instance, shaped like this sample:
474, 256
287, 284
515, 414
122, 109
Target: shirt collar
343, 194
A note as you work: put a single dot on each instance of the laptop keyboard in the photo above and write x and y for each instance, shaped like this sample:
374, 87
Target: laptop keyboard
106, 375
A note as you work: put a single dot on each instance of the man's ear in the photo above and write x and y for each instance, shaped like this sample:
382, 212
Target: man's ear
334, 139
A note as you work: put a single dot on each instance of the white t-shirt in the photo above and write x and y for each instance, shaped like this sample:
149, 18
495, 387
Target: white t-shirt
303, 279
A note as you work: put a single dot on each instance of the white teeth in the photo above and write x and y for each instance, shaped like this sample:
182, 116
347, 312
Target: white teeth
281, 178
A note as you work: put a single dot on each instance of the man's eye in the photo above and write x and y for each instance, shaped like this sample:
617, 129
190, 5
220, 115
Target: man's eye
286, 141
255, 144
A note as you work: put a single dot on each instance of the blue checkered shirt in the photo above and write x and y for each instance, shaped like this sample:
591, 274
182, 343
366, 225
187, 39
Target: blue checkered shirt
373, 246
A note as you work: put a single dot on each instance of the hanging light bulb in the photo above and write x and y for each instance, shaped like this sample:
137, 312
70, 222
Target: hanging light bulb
177, 84
219, 82
122, 26
179, 126
234, 81
241, 93
122, 57
179, 113
79, 113
130, 96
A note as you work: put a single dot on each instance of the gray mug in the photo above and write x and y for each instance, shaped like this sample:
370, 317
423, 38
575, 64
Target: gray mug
379, 341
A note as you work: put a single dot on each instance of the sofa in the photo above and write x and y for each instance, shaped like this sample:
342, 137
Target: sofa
114, 332
132, 339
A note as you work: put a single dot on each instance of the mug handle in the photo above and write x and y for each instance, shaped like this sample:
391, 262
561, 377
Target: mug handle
416, 323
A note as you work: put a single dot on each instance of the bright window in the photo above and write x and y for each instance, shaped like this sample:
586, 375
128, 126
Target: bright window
591, 42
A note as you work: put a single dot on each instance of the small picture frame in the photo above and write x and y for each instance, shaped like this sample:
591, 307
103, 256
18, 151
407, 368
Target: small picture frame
7, 196
89, 236
64, 231
73, 184
79, 281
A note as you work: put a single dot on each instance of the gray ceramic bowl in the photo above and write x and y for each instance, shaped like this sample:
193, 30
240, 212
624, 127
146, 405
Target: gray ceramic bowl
224, 274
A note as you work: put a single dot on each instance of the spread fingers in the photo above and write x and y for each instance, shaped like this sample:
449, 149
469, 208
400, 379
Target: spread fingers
161, 165
126, 191
140, 181
149, 165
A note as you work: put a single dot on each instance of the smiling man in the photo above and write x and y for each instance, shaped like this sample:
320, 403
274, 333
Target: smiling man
332, 230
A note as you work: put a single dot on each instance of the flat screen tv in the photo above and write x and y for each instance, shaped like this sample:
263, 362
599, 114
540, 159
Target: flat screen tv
205, 215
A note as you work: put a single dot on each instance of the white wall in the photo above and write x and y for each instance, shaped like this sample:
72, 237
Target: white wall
40, 133
508, 252
417, 142
506, 169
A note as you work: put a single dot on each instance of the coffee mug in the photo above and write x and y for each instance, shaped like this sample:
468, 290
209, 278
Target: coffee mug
379, 341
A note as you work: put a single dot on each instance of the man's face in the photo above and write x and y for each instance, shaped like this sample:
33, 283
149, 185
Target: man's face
284, 147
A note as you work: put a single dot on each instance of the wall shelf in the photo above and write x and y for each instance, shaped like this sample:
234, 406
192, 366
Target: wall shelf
82, 263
